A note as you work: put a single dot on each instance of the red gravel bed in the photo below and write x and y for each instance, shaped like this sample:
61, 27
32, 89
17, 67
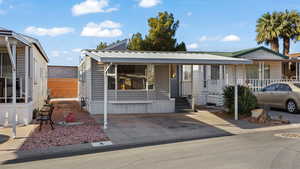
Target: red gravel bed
89, 131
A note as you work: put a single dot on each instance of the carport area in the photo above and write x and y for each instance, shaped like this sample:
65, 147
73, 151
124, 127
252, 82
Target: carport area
292, 118
158, 128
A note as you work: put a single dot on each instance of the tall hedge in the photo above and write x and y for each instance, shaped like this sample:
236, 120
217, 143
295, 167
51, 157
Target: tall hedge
246, 99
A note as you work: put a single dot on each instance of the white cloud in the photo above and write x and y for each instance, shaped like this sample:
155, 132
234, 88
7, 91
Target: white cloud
92, 6
76, 50
209, 38
64, 53
192, 46
106, 29
55, 53
189, 14
231, 38
203, 38
149, 3
56, 31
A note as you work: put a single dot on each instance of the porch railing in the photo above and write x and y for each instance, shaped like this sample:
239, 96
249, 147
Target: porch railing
256, 85
6, 90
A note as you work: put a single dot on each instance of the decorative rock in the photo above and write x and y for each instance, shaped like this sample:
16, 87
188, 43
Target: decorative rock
256, 112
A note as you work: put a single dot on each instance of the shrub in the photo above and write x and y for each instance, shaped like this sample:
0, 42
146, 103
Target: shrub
35, 113
246, 100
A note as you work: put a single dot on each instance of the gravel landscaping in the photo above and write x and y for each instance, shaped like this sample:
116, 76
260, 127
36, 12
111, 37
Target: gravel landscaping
87, 130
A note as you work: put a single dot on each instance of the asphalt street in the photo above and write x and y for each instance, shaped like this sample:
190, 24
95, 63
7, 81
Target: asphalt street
247, 151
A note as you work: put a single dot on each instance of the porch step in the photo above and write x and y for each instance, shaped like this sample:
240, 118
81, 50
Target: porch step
182, 105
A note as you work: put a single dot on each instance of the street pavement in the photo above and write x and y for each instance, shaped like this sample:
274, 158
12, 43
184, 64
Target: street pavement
260, 150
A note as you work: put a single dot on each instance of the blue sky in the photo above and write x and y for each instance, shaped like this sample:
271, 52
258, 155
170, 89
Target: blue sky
65, 26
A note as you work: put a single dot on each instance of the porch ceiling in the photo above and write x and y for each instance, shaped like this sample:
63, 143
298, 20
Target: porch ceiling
163, 57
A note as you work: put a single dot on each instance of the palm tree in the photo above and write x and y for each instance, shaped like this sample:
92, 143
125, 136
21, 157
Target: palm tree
268, 30
289, 29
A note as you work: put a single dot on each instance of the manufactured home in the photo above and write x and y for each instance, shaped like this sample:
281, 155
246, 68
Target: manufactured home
23, 77
117, 82
209, 80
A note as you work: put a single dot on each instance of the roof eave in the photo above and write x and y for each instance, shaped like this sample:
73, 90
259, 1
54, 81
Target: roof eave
173, 61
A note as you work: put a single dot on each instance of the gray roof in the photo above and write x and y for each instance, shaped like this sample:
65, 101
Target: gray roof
25, 39
162, 57
122, 45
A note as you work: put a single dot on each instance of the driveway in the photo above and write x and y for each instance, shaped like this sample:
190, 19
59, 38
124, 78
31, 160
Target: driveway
152, 128
293, 118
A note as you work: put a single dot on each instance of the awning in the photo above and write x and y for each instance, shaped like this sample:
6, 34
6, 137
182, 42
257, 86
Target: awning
163, 57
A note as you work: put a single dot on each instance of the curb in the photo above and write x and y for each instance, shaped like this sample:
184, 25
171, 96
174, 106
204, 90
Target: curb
89, 149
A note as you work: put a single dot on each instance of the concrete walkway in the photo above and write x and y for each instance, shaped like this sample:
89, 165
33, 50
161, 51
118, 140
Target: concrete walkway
240, 126
8, 149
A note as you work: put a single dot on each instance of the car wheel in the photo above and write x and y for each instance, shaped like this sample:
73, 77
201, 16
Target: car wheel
291, 106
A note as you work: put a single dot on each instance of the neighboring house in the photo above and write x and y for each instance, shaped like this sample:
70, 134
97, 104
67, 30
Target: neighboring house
135, 82
268, 66
23, 64
63, 81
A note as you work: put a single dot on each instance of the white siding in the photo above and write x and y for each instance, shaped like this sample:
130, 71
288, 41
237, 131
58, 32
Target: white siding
40, 89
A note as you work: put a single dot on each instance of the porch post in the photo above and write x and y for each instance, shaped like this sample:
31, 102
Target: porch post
26, 73
192, 87
14, 90
105, 99
297, 71
263, 70
169, 82
221, 79
259, 71
236, 117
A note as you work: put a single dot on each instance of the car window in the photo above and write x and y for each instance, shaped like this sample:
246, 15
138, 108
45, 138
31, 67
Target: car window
283, 88
270, 88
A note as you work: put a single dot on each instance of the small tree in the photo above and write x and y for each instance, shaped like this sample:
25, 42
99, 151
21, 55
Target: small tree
102, 45
160, 37
246, 100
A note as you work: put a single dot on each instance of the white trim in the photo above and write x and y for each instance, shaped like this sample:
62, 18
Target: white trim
192, 87
105, 98
116, 82
169, 74
131, 102
14, 121
236, 109
163, 57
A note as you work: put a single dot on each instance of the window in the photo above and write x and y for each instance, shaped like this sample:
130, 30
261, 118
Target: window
111, 76
270, 88
131, 77
266, 71
283, 88
252, 71
151, 77
215, 72
187, 72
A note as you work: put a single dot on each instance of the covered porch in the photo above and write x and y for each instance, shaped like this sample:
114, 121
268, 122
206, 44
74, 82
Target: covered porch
15, 79
109, 60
